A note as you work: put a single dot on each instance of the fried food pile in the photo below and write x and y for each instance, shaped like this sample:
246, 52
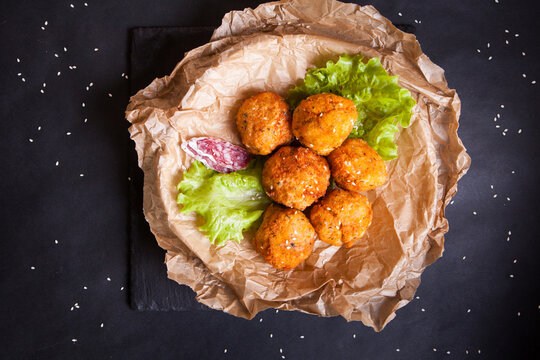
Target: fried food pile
297, 175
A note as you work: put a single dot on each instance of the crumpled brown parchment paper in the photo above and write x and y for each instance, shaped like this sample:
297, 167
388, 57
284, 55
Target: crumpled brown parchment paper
269, 49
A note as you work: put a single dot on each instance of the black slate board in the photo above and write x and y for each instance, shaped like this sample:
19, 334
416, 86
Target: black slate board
154, 53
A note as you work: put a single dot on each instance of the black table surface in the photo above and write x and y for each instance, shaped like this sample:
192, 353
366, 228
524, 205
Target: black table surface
66, 208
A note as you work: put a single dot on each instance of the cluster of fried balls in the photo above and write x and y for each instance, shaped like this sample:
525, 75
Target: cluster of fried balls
298, 176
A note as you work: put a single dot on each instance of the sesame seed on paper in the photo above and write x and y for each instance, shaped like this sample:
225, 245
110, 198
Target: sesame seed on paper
101, 325
108, 279
74, 340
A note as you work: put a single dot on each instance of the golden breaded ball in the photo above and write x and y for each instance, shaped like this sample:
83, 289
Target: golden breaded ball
285, 237
323, 121
357, 166
264, 123
341, 217
295, 177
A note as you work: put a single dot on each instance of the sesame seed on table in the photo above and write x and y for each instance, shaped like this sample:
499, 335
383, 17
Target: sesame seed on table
72, 278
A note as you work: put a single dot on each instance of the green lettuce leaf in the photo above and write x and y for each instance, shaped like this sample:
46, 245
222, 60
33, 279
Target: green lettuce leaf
229, 203
381, 103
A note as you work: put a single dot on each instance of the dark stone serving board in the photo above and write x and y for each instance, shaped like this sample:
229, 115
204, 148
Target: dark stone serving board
154, 53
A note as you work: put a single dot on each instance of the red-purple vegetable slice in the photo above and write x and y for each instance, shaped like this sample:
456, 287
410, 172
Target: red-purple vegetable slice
217, 154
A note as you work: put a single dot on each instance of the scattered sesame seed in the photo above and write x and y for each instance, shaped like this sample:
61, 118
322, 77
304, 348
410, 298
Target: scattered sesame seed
524, 75
468, 310
96, 49
83, 104
523, 53
533, 82
418, 297
400, 14
58, 73
513, 172
354, 336
497, 126
122, 288
491, 57
65, 49
281, 351
516, 35
85, 4
33, 267
85, 120
507, 198
81, 175
506, 42
108, 279
42, 28
509, 232
72, 6
478, 50
451, 202
511, 275
91, 84
39, 128
494, 195
68, 133
488, 45
502, 106
466, 351
271, 335
110, 95
474, 212
423, 310
506, 31
42, 91
23, 79
85, 288
18, 60
225, 351
464, 257
519, 131
260, 320
302, 336
448, 352
56, 242
397, 350
101, 325
56, 55
74, 340
515, 261
434, 349
31, 140
57, 163
19, 74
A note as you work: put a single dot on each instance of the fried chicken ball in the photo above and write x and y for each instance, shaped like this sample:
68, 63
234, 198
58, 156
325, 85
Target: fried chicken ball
264, 123
356, 166
285, 237
295, 177
323, 121
341, 217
